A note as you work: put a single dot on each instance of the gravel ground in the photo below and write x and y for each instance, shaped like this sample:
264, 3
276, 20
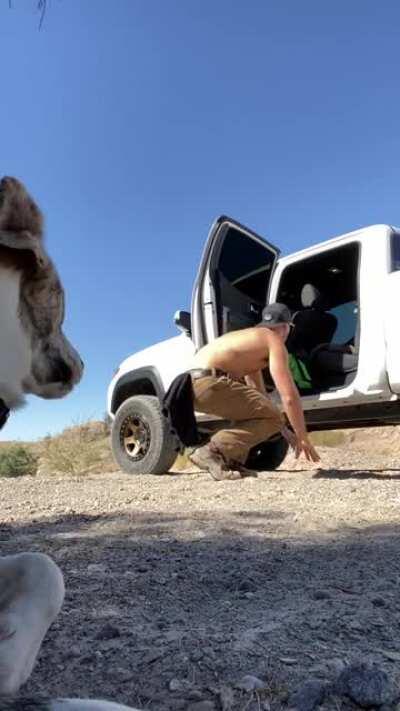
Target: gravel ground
179, 586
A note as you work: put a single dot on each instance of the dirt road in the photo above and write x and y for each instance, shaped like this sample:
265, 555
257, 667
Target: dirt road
178, 586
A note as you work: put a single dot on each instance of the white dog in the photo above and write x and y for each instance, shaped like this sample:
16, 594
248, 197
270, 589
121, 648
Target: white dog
35, 357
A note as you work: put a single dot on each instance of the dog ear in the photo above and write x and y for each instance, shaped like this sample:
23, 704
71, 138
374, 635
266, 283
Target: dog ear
18, 211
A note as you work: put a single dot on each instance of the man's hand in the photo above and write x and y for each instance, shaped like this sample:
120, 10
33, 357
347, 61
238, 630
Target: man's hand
300, 445
308, 449
291, 439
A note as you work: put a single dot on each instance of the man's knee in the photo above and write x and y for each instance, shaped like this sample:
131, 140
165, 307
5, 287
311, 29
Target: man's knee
272, 418
268, 426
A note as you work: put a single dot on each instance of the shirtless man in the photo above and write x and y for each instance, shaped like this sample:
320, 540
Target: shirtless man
218, 371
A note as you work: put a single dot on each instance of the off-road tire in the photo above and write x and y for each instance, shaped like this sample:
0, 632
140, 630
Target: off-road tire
268, 455
142, 414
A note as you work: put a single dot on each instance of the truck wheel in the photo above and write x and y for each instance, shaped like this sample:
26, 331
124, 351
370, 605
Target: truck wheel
141, 441
268, 455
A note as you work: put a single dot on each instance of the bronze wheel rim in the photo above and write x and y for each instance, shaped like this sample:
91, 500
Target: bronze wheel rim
135, 437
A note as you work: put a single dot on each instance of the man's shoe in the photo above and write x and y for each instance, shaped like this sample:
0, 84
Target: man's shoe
244, 471
211, 461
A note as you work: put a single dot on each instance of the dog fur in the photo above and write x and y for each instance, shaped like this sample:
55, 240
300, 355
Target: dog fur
33, 308
35, 357
31, 596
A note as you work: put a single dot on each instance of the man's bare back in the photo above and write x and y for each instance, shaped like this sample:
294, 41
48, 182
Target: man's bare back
238, 353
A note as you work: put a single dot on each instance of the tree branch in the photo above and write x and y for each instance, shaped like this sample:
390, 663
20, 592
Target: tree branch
42, 7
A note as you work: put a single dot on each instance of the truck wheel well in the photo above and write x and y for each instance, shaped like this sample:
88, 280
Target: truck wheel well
142, 386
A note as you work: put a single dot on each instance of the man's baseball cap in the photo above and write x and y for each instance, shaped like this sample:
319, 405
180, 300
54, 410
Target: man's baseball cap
276, 315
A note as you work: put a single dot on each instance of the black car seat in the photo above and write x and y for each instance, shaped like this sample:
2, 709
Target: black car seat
312, 324
334, 365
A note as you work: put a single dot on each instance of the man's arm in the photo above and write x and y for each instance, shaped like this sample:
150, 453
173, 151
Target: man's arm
282, 377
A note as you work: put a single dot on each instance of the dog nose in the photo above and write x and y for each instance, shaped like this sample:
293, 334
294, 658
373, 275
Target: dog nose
61, 372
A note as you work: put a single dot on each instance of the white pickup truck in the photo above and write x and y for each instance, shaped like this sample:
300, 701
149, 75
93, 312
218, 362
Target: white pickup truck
344, 293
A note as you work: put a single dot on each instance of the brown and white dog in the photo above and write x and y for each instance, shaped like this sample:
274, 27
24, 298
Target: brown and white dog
35, 357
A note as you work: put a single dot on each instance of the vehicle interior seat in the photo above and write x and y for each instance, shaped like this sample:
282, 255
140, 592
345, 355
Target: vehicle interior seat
312, 324
334, 365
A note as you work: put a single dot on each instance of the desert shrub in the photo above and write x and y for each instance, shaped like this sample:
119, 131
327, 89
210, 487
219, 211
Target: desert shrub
17, 461
107, 423
79, 449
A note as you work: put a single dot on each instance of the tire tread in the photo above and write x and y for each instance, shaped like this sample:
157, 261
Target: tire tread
163, 444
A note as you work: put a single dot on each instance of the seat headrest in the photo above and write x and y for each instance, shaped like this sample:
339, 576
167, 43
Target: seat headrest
310, 296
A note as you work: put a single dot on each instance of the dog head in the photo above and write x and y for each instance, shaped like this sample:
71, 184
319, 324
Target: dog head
35, 355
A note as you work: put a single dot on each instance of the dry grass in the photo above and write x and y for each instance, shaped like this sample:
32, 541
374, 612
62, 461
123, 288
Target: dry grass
85, 448
81, 449
182, 461
330, 438
78, 450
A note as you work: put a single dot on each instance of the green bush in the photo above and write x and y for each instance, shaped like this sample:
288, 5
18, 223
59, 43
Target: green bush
17, 461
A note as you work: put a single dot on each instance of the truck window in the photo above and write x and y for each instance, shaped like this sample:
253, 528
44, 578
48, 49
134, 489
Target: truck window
246, 265
395, 251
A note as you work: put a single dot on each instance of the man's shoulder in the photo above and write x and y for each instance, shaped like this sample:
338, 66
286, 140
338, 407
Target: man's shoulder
255, 333
262, 332
275, 343
242, 333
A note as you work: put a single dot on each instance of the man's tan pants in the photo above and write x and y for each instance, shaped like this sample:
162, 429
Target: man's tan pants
255, 417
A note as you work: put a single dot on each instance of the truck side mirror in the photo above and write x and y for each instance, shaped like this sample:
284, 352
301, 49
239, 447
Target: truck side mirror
183, 321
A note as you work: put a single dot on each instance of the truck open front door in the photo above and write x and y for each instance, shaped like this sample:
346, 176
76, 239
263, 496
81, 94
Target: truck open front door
233, 281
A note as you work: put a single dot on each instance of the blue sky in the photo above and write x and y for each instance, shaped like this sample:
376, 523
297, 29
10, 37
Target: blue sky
135, 123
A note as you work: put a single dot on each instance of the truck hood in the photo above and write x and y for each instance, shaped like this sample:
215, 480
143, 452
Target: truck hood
164, 355
169, 358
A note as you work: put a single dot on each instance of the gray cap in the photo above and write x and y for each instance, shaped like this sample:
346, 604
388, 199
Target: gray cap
276, 315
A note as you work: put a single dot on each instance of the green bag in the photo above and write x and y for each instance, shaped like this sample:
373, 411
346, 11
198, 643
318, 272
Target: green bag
301, 376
